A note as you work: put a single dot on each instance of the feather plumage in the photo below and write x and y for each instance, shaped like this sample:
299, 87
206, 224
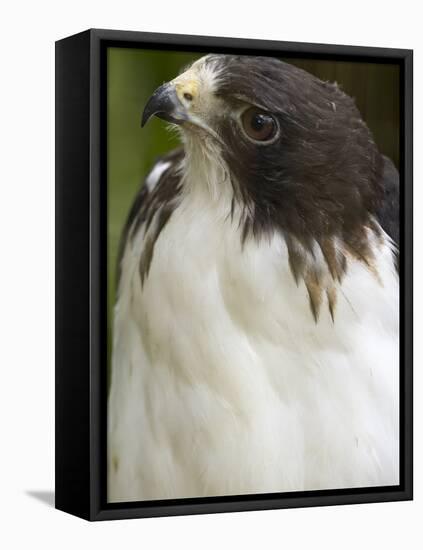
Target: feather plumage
248, 361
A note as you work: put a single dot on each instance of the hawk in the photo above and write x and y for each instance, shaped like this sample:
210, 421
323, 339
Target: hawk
255, 337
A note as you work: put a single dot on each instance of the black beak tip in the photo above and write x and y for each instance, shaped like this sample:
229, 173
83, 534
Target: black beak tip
144, 119
165, 105
150, 110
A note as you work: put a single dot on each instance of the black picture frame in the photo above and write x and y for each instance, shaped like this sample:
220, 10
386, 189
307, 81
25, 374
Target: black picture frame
81, 276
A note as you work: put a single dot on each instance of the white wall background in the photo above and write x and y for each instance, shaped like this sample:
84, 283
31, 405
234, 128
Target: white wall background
28, 31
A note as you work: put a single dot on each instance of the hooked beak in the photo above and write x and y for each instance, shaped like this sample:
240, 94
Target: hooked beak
164, 104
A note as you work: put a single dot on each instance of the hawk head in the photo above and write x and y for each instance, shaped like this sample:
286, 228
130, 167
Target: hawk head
299, 155
300, 159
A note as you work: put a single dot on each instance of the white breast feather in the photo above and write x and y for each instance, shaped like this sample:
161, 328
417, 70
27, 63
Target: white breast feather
154, 176
222, 381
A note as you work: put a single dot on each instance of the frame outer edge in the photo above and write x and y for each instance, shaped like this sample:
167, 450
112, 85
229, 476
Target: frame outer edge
98, 312
408, 273
72, 393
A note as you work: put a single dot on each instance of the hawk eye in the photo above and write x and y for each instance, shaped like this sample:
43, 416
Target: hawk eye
259, 125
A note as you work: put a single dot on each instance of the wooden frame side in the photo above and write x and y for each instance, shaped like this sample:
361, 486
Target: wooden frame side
72, 382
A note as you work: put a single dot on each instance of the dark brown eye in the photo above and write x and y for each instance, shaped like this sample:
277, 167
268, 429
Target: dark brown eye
259, 125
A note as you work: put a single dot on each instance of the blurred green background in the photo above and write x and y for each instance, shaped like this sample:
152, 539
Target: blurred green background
133, 75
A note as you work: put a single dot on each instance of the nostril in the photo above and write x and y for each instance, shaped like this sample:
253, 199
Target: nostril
188, 96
